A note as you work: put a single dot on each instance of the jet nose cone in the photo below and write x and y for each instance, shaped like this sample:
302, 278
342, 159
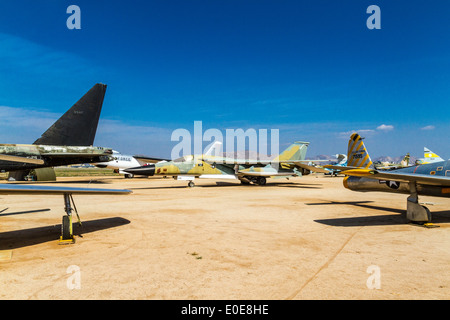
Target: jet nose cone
148, 170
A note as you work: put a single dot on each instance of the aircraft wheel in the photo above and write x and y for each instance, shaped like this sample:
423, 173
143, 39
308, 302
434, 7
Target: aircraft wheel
65, 228
254, 180
261, 181
129, 176
191, 184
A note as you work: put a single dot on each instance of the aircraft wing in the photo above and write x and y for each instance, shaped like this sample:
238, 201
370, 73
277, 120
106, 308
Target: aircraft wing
342, 168
423, 179
34, 189
6, 157
144, 159
310, 168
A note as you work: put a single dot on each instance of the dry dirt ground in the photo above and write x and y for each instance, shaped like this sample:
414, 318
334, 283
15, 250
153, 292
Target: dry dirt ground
306, 238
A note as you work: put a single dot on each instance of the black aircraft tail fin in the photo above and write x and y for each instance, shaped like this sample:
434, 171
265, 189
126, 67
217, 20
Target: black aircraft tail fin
77, 127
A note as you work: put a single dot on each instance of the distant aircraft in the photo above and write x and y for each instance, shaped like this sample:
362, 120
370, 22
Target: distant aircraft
121, 162
291, 162
429, 156
68, 141
431, 179
66, 229
341, 162
388, 166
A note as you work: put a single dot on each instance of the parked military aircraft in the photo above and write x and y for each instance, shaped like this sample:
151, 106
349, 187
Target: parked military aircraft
291, 162
341, 162
388, 165
429, 156
431, 179
121, 162
68, 141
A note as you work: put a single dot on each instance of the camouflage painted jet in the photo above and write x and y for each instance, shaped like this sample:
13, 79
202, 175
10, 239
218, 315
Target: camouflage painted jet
431, 179
68, 141
389, 166
290, 162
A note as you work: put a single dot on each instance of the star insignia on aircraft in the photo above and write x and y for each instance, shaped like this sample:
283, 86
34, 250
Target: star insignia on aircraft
393, 184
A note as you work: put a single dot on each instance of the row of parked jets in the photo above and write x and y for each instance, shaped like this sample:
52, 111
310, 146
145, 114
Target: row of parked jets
70, 141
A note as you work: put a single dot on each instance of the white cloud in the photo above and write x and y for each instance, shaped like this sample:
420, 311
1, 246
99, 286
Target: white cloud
384, 127
428, 128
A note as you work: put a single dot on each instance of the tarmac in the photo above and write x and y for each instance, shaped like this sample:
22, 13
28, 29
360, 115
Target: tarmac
303, 238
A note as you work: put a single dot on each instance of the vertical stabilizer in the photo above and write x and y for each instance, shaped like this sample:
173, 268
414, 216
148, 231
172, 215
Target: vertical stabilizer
296, 151
357, 155
77, 127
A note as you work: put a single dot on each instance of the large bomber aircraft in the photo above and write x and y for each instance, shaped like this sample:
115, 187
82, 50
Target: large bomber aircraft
432, 179
291, 162
68, 141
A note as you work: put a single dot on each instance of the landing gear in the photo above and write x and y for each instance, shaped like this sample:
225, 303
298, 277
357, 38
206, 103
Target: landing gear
128, 176
191, 184
67, 226
255, 180
414, 211
261, 181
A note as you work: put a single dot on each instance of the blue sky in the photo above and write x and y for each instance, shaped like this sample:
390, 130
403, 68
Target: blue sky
313, 70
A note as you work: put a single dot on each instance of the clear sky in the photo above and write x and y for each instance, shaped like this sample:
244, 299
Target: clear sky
311, 69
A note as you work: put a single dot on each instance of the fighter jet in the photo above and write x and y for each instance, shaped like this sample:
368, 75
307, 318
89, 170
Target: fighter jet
431, 179
121, 162
341, 162
68, 141
429, 156
291, 162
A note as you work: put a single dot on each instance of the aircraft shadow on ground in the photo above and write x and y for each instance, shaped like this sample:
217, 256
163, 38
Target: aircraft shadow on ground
28, 237
231, 184
20, 212
87, 181
377, 220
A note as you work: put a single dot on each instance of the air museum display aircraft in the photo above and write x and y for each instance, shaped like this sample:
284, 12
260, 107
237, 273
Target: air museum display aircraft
388, 165
68, 141
290, 162
431, 179
428, 157
121, 162
341, 162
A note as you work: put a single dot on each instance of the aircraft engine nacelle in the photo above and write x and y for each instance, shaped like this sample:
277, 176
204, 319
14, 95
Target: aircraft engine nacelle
366, 185
304, 171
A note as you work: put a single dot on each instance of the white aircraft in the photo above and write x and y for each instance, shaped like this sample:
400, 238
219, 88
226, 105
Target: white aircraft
122, 162
429, 156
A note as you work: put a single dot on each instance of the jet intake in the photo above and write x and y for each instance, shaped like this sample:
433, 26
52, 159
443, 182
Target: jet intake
148, 170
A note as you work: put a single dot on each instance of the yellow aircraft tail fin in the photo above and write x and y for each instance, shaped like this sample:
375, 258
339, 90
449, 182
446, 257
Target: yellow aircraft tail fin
357, 155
